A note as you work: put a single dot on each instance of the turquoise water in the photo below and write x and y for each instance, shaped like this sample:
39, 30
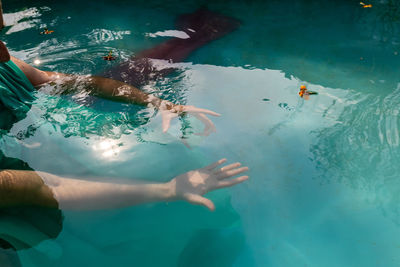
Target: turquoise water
324, 187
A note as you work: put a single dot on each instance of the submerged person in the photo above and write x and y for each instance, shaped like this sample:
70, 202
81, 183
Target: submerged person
28, 196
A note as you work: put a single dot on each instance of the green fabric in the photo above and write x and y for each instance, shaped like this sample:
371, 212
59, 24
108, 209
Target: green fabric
16, 94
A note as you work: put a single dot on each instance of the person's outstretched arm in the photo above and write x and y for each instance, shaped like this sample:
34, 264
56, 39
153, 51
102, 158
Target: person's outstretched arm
120, 91
48, 190
116, 90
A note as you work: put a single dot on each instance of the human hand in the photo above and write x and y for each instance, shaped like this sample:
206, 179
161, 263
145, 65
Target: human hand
170, 111
191, 186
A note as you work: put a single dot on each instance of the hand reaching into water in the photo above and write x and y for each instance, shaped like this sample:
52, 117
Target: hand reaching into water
170, 111
52, 191
119, 91
191, 186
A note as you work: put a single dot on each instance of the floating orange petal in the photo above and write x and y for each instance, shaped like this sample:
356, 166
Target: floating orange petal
46, 31
109, 57
365, 6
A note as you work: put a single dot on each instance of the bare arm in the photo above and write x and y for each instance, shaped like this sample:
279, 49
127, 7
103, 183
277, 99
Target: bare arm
116, 90
122, 92
76, 194
119, 91
24, 188
48, 190
100, 86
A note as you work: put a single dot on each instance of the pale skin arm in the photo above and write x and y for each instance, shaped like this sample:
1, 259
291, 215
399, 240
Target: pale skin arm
48, 190
119, 91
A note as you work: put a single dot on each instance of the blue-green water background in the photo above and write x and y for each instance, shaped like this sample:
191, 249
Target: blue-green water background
324, 187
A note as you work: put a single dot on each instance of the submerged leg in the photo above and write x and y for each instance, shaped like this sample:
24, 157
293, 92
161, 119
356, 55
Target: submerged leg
202, 26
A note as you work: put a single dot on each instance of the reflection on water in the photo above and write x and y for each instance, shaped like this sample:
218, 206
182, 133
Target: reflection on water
100, 36
108, 148
23, 20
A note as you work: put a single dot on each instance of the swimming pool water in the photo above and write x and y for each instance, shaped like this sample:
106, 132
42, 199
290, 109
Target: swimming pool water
324, 187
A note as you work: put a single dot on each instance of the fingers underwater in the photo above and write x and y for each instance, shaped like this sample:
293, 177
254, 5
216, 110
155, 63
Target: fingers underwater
230, 173
209, 126
199, 200
165, 125
166, 120
228, 183
201, 110
229, 167
215, 164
